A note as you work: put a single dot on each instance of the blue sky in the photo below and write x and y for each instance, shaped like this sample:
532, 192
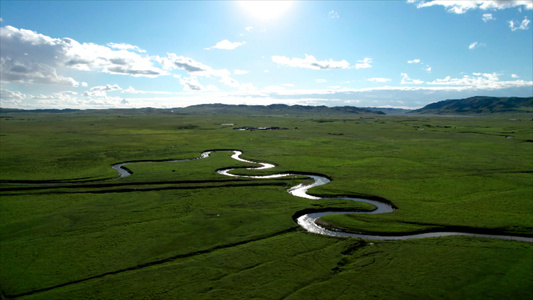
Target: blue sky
120, 54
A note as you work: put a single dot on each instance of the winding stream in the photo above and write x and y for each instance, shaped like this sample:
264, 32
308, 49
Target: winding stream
308, 221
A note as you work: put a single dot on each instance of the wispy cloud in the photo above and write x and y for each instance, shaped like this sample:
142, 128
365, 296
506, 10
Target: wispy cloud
364, 63
123, 46
173, 61
11, 97
487, 17
475, 45
226, 45
191, 84
131, 90
378, 79
101, 91
523, 26
195, 69
107, 87
418, 61
310, 62
333, 14
479, 81
462, 6
407, 80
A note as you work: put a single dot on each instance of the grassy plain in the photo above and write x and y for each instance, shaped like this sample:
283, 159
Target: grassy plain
180, 231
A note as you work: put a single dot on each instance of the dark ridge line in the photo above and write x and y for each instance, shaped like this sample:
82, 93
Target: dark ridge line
154, 189
153, 263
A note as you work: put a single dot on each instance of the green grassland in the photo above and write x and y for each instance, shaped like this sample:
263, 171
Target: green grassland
179, 230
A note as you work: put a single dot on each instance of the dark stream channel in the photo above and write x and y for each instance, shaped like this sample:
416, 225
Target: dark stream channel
308, 220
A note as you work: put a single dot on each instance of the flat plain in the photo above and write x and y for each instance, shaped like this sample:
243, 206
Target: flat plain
179, 230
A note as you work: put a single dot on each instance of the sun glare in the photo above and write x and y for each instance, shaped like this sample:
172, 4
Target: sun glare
265, 10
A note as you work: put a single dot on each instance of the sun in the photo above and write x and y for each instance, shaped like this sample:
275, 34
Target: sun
265, 10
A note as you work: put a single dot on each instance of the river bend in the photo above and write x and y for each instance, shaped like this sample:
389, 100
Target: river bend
307, 221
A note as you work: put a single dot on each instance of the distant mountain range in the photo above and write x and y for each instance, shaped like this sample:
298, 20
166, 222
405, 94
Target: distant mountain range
468, 106
478, 105
274, 109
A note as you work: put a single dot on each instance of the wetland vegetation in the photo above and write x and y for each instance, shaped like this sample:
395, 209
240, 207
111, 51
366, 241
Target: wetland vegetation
179, 230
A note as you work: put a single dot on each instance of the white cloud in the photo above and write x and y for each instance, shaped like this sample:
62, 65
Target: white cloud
379, 79
310, 62
320, 80
191, 84
407, 80
333, 14
514, 76
89, 56
195, 69
131, 90
107, 88
123, 46
101, 91
462, 6
523, 26
481, 81
64, 99
394, 96
364, 63
476, 45
188, 64
30, 57
487, 17
10, 99
240, 72
249, 28
418, 61
226, 45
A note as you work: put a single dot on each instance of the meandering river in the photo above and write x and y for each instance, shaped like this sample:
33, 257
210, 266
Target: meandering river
307, 220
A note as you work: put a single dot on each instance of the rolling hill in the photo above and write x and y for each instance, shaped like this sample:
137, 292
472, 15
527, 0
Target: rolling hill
479, 105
